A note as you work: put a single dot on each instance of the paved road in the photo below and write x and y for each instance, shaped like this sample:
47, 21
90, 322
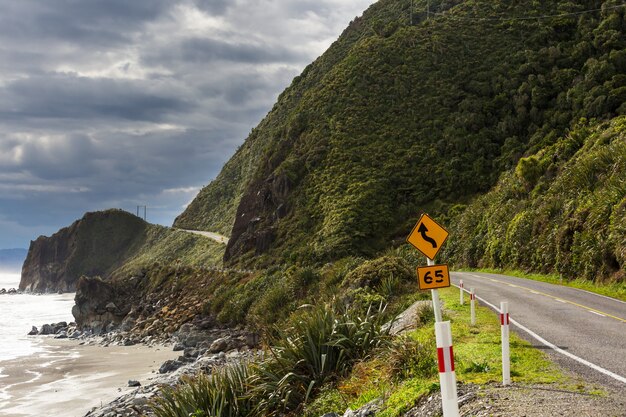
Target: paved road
215, 236
587, 331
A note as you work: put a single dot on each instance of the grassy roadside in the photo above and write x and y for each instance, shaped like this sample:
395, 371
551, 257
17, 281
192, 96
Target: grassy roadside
614, 290
407, 371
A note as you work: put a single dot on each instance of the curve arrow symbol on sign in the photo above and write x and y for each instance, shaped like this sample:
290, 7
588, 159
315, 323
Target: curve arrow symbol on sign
423, 230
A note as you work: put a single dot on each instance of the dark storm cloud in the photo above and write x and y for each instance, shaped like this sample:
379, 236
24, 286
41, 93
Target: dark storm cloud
202, 50
119, 103
214, 7
72, 97
76, 21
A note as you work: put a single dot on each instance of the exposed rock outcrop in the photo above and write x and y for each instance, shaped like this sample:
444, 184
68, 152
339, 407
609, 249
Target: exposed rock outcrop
260, 208
100, 306
95, 246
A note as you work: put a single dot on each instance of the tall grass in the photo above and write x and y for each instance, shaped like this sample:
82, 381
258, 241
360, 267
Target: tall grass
221, 394
320, 345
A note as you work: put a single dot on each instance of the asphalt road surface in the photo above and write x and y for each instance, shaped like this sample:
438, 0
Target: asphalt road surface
214, 236
582, 331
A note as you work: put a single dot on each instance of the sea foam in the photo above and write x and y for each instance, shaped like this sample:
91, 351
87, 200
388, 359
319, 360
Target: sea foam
19, 312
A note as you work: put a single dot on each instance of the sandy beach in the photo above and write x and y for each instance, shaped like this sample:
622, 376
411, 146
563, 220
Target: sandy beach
68, 379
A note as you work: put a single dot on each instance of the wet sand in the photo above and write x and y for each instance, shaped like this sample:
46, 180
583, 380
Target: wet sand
68, 379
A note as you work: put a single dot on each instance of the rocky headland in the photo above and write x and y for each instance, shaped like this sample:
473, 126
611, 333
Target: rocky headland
95, 245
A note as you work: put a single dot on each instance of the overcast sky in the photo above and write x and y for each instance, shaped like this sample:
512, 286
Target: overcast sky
119, 103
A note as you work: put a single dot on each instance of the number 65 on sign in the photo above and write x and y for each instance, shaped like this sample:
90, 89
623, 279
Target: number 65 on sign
433, 277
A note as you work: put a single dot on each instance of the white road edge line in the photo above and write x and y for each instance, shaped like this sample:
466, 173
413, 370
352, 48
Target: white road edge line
564, 286
600, 295
601, 315
556, 348
561, 301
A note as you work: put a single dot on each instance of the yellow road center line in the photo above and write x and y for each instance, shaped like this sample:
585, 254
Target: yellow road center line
593, 310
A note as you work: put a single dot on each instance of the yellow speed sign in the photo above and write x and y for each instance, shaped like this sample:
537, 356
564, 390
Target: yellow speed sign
433, 277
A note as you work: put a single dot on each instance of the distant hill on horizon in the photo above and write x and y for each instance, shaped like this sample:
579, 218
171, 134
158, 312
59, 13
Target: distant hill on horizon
11, 260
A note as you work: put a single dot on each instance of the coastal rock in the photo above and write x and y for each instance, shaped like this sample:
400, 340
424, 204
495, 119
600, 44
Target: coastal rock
3, 291
220, 345
33, 331
133, 383
12, 291
368, 410
170, 366
46, 329
54, 328
98, 305
189, 336
106, 239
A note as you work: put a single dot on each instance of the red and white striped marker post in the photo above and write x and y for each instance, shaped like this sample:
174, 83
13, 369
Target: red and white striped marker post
447, 376
473, 306
504, 326
462, 291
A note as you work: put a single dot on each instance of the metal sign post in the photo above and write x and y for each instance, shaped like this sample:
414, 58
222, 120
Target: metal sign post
428, 236
435, 295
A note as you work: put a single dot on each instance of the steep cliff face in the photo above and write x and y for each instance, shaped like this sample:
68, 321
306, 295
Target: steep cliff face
97, 244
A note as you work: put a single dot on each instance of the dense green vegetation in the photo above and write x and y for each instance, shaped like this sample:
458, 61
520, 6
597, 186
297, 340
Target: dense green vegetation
328, 360
562, 210
174, 247
397, 118
321, 345
117, 243
405, 372
266, 298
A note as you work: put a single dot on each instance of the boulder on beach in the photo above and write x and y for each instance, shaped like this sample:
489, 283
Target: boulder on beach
170, 366
54, 328
33, 331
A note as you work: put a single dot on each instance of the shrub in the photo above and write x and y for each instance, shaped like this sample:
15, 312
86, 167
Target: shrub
221, 394
410, 358
321, 345
372, 273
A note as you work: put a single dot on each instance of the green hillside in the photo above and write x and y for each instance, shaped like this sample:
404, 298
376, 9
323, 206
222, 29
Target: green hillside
397, 118
110, 243
562, 210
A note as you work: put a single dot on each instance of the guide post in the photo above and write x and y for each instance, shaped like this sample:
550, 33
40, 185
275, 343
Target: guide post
504, 326
473, 306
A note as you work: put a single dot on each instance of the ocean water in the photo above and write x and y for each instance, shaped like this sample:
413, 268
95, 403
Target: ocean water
18, 313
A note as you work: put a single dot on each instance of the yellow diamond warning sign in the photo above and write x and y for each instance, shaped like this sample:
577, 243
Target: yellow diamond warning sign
432, 277
428, 236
